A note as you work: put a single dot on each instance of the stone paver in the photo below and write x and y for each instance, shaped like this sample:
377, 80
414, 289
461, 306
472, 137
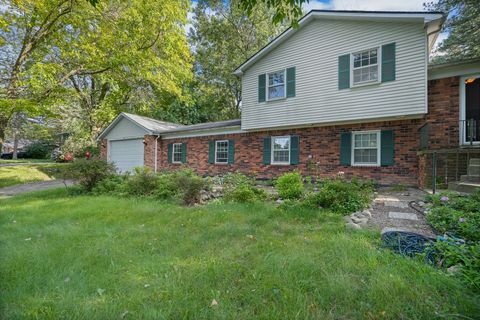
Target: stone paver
391, 210
35, 186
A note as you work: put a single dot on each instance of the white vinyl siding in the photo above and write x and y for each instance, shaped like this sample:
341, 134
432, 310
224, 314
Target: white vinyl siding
177, 153
125, 129
314, 50
366, 148
221, 151
281, 150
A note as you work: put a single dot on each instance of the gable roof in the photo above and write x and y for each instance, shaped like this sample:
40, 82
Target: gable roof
206, 126
433, 21
148, 124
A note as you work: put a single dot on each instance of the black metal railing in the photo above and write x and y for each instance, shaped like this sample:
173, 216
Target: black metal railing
470, 131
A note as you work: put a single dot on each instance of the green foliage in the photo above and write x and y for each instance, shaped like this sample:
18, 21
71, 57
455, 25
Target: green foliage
290, 186
89, 172
190, 186
462, 28
143, 182
341, 196
39, 150
284, 10
458, 215
240, 188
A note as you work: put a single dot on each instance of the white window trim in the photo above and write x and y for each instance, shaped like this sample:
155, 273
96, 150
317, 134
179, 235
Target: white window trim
216, 144
379, 64
463, 110
281, 163
173, 152
379, 147
284, 85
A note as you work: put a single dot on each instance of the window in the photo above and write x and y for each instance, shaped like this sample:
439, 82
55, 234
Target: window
366, 148
280, 150
177, 153
365, 67
221, 151
276, 85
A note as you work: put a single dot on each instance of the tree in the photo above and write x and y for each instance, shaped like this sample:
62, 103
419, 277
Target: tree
462, 26
222, 38
283, 10
107, 58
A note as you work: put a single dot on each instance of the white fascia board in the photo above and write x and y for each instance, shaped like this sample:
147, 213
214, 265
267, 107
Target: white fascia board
203, 133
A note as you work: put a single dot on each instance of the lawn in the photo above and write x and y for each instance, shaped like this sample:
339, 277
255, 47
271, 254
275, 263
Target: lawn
90, 257
13, 175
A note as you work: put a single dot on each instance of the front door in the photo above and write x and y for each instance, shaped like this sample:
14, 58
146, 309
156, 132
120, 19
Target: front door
471, 118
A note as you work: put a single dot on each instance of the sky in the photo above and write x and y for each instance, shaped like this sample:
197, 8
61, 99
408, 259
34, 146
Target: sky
374, 5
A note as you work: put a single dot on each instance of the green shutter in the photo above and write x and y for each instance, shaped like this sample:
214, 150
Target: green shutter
231, 151
262, 81
267, 150
169, 153
291, 82
211, 152
387, 152
294, 150
388, 62
344, 72
184, 153
345, 148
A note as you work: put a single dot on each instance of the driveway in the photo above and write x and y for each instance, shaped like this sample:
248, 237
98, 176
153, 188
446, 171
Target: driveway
23, 164
35, 186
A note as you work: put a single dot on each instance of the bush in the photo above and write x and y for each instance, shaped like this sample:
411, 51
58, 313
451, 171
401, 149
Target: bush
39, 150
112, 185
290, 186
189, 185
89, 172
240, 188
341, 196
143, 182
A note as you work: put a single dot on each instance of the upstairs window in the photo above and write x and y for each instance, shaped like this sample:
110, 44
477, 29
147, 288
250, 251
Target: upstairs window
177, 153
276, 85
280, 150
365, 67
366, 148
221, 151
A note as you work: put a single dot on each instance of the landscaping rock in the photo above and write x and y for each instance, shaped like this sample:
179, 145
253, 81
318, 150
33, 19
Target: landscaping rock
359, 220
453, 269
353, 226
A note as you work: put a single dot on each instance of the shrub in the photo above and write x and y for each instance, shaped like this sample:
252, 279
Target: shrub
167, 187
89, 172
290, 186
39, 150
143, 182
112, 185
238, 187
189, 185
340, 196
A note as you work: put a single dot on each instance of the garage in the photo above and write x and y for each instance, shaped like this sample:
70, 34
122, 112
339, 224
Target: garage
124, 136
126, 154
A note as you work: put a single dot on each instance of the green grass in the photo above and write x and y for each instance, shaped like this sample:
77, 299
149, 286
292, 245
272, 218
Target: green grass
107, 258
13, 175
26, 161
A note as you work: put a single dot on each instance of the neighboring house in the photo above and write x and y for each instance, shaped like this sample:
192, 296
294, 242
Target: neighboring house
346, 91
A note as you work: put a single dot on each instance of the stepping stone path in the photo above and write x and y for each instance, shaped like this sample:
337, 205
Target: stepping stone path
391, 211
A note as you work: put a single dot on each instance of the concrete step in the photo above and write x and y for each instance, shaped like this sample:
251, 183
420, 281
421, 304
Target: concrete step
465, 187
474, 162
470, 178
473, 170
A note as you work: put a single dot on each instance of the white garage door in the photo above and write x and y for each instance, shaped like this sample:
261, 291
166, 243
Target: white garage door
127, 154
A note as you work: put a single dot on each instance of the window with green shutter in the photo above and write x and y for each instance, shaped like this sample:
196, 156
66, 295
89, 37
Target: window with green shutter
211, 152
184, 153
231, 151
387, 153
344, 72
345, 148
267, 150
262, 82
169, 152
291, 82
388, 62
294, 150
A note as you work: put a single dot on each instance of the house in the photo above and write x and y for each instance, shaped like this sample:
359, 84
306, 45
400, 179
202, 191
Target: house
346, 91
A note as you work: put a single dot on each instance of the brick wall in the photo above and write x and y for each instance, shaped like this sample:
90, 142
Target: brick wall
443, 113
319, 153
104, 149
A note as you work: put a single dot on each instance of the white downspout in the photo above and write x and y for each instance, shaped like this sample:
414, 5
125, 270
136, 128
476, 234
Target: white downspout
156, 147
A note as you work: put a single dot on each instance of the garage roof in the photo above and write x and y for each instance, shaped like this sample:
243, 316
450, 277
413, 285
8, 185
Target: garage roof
148, 124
